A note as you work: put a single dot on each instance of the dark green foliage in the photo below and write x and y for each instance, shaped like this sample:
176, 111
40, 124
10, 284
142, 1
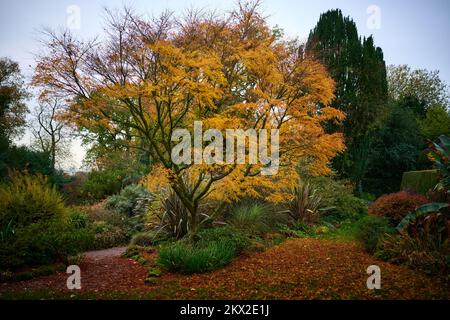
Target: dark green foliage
440, 153
419, 181
212, 249
22, 158
150, 238
234, 237
336, 43
132, 200
12, 101
338, 201
297, 230
100, 184
395, 148
370, 229
32, 273
79, 219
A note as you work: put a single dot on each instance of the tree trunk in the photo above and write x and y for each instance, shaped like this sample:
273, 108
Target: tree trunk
53, 153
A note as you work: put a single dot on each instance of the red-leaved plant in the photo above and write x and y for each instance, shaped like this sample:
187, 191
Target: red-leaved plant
396, 206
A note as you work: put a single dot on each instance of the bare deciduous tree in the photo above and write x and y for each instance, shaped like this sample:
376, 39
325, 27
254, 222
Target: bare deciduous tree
50, 133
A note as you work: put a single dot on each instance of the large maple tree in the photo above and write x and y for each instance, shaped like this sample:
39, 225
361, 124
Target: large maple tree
147, 78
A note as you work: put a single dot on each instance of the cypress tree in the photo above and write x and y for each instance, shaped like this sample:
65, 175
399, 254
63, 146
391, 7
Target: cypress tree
359, 69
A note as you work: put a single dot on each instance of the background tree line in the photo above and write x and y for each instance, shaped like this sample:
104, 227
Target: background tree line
391, 111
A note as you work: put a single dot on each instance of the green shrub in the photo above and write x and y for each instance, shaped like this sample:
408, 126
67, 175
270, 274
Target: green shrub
36, 226
250, 218
419, 181
396, 206
338, 202
107, 235
79, 219
29, 199
150, 238
100, 184
129, 225
101, 220
132, 251
370, 229
297, 230
235, 238
132, 200
187, 258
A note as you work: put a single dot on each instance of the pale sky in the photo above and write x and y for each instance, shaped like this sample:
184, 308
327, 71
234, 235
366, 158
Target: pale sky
410, 32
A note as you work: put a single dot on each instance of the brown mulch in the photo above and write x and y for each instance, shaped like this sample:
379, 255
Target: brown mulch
295, 269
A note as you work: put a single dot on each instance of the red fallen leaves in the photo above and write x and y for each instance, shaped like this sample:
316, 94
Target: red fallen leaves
295, 269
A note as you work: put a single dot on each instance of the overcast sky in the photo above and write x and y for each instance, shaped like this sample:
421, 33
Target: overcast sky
409, 32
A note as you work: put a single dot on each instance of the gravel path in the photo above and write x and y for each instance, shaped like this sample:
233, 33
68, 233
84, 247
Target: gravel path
106, 253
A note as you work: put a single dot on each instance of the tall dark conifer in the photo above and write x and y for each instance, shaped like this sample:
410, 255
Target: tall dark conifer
359, 70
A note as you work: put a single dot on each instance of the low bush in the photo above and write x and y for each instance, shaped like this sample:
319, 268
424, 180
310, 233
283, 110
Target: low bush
370, 229
302, 230
109, 228
36, 227
132, 200
396, 206
150, 238
423, 254
32, 273
79, 219
423, 241
187, 258
297, 230
107, 235
235, 238
337, 200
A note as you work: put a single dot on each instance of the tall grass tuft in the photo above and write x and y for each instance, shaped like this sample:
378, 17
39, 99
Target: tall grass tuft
251, 218
187, 258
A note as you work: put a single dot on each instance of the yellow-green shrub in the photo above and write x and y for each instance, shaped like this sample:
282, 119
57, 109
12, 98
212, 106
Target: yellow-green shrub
35, 225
